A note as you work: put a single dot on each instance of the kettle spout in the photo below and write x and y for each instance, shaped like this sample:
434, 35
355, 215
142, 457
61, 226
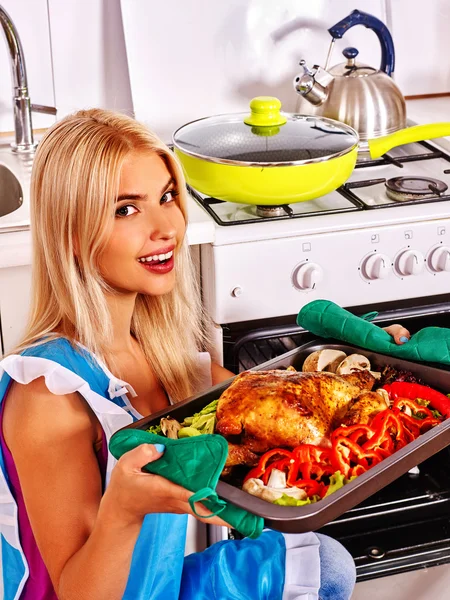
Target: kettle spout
313, 84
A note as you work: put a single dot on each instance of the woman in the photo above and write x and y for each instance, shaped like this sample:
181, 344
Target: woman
113, 292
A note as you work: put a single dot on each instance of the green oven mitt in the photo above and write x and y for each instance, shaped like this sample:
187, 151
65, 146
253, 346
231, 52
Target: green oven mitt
328, 320
195, 463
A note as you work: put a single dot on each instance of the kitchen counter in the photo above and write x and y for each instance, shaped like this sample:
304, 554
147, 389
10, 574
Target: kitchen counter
429, 110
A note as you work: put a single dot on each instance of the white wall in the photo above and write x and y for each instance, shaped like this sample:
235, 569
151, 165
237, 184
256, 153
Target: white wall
191, 58
422, 44
89, 56
195, 58
31, 20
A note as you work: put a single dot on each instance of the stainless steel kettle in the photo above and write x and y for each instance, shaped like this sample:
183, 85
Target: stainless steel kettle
365, 98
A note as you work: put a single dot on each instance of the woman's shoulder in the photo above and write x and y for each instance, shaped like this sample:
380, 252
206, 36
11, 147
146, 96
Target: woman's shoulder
33, 411
41, 395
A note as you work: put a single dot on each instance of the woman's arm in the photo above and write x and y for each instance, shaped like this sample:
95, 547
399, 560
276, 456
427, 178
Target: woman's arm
86, 540
219, 373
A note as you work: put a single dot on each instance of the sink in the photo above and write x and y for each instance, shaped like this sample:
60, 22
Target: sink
11, 195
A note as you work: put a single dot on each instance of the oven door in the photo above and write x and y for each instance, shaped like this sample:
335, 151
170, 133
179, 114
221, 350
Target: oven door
406, 525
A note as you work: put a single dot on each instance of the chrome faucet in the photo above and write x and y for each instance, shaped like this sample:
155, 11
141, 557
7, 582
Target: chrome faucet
21, 101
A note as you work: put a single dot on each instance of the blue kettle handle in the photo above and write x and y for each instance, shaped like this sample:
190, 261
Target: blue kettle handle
358, 17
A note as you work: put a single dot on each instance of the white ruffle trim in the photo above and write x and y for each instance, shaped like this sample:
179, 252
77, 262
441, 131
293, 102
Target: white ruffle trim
302, 570
60, 380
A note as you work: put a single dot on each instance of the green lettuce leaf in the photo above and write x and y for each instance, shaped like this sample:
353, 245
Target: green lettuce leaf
289, 501
154, 429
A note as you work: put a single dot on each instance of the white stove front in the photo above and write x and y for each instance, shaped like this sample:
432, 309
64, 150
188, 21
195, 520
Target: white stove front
272, 268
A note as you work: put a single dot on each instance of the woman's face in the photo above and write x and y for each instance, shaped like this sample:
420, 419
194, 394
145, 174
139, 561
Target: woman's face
148, 228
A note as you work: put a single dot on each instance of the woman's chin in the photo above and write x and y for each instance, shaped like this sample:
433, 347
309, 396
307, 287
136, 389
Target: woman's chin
157, 289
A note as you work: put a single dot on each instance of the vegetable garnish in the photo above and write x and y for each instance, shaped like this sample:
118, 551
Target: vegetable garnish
402, 389
354, 449
200, 423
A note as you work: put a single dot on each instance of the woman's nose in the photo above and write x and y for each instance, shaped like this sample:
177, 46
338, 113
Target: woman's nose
162, 226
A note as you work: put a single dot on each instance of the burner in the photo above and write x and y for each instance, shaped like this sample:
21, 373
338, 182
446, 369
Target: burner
273, 211
414, 188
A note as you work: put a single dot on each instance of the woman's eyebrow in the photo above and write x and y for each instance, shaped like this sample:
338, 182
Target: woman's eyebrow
131, 197
170, 182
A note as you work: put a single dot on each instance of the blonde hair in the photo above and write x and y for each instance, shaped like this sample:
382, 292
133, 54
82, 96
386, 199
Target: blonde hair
75, 183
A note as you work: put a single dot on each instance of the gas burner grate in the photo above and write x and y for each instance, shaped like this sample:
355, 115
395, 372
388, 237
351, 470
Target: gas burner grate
347, 188
255, 213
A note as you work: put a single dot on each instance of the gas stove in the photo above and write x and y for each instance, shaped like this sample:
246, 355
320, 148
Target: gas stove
375, 183
363, 244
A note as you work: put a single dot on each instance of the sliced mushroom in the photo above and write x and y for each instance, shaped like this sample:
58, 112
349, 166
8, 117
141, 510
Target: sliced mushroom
324, 360
256, 487
353, 362
385, 395
170, 427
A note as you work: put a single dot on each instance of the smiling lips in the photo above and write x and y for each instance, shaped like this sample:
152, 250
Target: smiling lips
158, 263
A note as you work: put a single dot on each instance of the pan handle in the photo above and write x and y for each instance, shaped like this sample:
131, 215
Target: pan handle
418, 133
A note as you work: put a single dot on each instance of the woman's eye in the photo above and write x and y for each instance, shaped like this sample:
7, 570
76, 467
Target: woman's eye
126, 210
169, 196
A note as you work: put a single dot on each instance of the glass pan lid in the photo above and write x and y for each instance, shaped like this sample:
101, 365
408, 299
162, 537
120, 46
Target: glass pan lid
302, 139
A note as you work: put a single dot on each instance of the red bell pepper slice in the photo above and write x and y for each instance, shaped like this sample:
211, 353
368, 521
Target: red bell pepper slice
386, 424
354, 432
261, 467
314, 470
416, 409
254, 473
311, 453
356, 471
280, 452
428, 423
403, 389
410, 424
311, 487
347, 453
282, 465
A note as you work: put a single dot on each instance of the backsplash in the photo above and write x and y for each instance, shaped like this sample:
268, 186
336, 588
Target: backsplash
193, 58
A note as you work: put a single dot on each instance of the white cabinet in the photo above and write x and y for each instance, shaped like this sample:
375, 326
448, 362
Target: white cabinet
15, 285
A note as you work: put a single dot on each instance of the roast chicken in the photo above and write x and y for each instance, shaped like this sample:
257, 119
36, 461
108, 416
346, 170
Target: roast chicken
366, 406
261, 410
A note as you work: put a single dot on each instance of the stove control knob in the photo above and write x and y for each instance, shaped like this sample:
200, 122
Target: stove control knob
409, 262
439, 259
306, 276
376, 266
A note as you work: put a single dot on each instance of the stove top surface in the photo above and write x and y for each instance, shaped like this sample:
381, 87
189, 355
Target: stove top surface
367, 189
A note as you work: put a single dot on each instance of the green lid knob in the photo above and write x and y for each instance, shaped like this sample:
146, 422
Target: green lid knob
265, 112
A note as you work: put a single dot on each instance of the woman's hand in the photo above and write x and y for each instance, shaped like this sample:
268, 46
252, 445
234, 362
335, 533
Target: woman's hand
133, 493
399, 333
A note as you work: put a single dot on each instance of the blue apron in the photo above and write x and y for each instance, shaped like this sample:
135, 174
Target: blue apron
238, 570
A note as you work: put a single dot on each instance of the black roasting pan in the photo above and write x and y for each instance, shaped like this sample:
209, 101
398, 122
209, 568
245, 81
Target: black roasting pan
314, 516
